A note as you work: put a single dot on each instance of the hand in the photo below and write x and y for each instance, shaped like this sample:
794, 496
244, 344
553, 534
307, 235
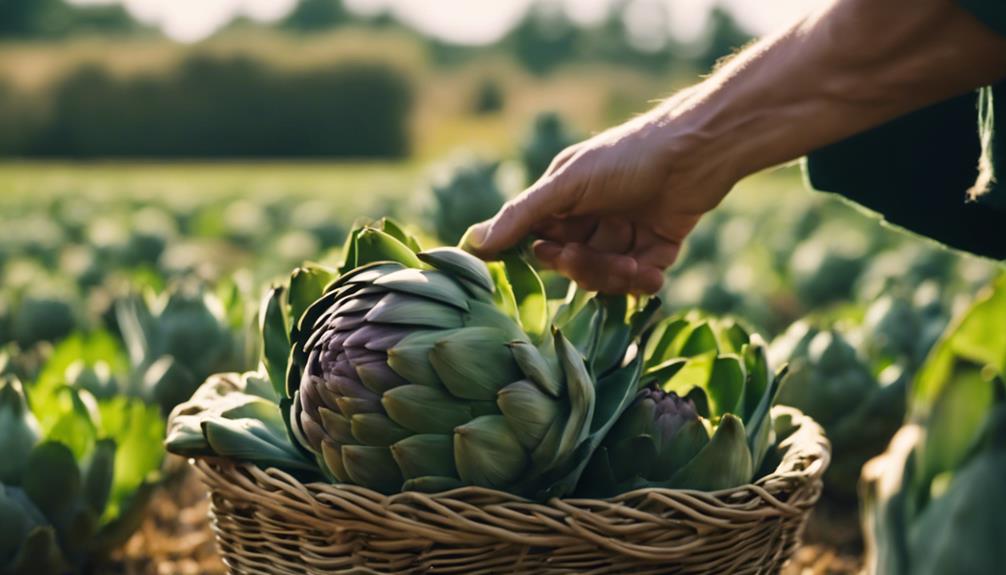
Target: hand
611, 212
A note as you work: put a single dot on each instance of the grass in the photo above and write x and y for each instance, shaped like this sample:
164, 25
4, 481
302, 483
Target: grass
356, 186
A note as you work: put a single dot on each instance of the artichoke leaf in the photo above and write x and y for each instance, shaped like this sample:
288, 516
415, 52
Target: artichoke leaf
275, 329
529, 295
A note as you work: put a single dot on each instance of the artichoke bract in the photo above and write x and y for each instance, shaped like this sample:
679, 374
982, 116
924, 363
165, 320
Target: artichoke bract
702, 420
934, 502
428, 370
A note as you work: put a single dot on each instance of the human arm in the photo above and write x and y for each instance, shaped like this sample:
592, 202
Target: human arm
612, 211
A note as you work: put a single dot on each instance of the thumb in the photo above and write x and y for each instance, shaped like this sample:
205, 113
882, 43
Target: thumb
517, 218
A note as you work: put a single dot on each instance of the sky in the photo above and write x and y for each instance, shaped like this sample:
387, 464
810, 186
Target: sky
464, 21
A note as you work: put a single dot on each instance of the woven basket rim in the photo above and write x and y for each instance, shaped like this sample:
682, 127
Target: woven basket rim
808, 454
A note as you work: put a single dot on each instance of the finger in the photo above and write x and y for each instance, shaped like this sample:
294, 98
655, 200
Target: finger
546, 252
546, 198
648, 280
594, 271
612, 236
572, 230
561, 158
660, 255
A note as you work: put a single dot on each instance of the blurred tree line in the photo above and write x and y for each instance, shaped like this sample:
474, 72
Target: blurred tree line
242, 106
544, 39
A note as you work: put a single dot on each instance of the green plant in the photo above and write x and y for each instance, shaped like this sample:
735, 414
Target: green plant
177, 339
703, 420
76, 476
464, 192
934, 501
409, 369
549, 135
834, 383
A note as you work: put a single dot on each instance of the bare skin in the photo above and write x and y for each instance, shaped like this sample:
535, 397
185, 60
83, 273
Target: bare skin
612, 211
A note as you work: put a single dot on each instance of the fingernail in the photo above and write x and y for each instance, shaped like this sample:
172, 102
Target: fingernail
475, 236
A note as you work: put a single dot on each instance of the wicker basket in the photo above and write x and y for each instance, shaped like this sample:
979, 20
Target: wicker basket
267, 522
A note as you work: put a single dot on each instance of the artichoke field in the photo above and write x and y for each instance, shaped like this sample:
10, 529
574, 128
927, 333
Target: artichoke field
934, 501
75, 477
854, 379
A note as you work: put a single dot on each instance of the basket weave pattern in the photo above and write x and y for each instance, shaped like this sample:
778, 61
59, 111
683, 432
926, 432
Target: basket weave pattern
267, 522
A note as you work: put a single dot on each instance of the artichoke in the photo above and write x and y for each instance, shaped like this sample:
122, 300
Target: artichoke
549, 135
20, 430
902, 329
934, 501
176, 340
76, 476
832, 382
427, 370
27, 544
38, 318
824, 268
702, 422
430, 370
464, 193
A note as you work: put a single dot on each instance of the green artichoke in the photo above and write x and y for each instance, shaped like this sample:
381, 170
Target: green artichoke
27, 544
176, 340
934, 502
430, 370
902, 329
76, 476
549, 135
824, 268
832, 382
464, 193
427, 370
40, 318
19, 430
702, 422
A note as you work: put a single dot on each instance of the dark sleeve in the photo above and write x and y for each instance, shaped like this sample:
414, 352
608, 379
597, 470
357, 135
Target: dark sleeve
915, 171
991, 12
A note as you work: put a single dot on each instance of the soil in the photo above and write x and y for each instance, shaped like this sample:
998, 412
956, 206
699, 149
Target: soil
176, 538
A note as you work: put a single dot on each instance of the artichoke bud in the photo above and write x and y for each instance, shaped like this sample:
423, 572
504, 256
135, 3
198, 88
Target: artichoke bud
488, 453
19, 430
529, 411
403, 376
831, 352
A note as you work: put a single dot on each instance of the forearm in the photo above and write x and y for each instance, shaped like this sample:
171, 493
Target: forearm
851, 67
